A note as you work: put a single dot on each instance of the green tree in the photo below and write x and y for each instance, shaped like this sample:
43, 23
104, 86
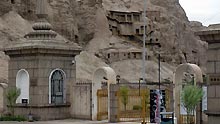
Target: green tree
190, 97
11, 97
124, 95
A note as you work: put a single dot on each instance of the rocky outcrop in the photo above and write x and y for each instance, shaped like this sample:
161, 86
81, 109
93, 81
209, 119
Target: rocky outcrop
86, 64
85, 22
5, 7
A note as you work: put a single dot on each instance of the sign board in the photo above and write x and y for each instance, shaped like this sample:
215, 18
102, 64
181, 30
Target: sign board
25, 101
157, 104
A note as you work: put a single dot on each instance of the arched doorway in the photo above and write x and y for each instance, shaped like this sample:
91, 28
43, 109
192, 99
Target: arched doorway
103, 73
57, 87
182, 70
22, 82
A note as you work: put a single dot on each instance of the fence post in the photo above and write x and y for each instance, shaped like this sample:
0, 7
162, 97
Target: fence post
119, 105
143, 107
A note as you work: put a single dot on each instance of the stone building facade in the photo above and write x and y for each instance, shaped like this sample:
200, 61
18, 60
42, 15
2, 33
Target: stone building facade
131, 24
114, 55
43, 68
212, 36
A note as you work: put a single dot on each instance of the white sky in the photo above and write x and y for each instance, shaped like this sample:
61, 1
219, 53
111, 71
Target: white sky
205, 11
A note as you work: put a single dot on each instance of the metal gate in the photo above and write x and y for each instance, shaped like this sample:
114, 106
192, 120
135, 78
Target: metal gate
183, 119
137, 107
102, 104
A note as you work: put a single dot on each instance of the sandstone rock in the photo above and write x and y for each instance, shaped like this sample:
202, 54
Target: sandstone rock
86, 64
131, 70
5, 7
85, 22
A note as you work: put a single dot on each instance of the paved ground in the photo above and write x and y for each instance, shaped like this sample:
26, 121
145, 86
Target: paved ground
72, 121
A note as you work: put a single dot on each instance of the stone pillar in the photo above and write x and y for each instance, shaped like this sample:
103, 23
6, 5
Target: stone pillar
41, 7
126, 17
113, 103
2, 88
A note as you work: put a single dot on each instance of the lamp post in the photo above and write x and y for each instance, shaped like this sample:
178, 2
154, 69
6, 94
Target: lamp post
105, 83
159, 70
118, 79
139, 83
144, 41
105, 78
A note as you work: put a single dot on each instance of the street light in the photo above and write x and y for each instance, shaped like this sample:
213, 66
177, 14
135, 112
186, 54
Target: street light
105, 83
139, 82
159, 70
158, 44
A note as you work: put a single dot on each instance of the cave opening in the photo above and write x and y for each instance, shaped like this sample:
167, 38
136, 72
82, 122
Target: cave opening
12, 1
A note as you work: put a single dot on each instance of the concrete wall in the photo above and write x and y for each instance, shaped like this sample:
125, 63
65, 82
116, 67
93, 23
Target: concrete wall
44, 112
1, 99
81, 103
213, 120
114, 107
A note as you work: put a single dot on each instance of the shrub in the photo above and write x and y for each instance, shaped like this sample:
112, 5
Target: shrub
124, 95
191, 96
12, 96
12, 118
137, 107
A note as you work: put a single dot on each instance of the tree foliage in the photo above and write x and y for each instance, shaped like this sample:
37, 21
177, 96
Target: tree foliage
190, 97
124, 95
11, 97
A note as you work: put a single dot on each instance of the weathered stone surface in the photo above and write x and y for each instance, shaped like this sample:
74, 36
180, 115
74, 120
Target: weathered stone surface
85, 22
86, 64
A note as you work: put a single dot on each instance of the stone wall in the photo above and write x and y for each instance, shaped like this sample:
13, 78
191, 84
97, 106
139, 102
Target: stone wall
44, 112
81, 103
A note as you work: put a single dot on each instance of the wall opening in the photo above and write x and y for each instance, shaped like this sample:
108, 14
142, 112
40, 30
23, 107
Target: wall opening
12, 1
137, 31
23, 83
76, 38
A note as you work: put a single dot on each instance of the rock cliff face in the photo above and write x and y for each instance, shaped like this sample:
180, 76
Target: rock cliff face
85, 22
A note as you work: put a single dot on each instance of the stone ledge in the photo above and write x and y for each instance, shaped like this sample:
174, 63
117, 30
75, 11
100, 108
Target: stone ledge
212, 113
43, 106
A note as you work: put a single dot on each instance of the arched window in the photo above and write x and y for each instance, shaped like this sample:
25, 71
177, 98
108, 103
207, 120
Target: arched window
57, 93
22, 82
